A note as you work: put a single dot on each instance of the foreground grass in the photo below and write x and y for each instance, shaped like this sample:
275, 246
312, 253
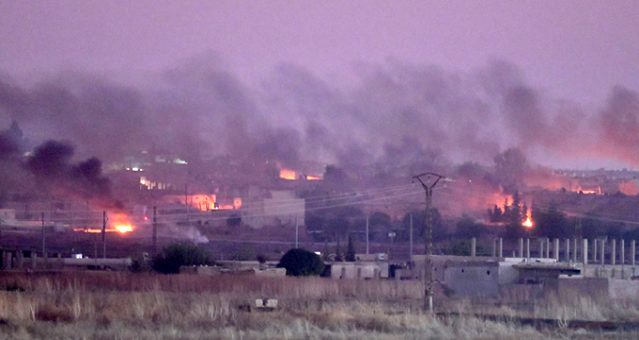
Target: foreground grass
146, 306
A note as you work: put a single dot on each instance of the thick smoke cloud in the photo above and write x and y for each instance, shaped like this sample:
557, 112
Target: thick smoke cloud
619, 121
396, 118
53, 168
52, 165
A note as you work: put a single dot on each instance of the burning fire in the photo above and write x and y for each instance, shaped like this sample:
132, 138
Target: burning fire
207, 202
123, 228
288, 174
202, 202
120, 224
237, 203
592, 191
292, 175
528, 223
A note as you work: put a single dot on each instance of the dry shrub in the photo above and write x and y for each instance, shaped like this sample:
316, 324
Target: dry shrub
53, 313
148, 306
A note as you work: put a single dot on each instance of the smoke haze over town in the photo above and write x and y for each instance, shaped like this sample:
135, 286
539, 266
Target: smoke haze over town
364, 105
424, 169
394, 114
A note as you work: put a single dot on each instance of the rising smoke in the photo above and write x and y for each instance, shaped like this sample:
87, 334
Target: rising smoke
50, 169
398, 118
51, 164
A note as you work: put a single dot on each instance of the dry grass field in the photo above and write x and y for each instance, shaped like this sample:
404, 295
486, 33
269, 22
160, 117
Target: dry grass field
103, 305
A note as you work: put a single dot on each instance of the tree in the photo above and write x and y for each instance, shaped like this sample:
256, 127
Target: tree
379, 218
176, 255
234, 220
495, 214
552, 223
462, 248
419, 224
467, 227
510, 167
350, 250
513, 216
301, 262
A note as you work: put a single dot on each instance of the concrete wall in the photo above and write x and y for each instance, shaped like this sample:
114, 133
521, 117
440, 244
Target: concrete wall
623, 289
7, 214
507, 274
472, 280
571, 288
282, 208
359, 270
609, 271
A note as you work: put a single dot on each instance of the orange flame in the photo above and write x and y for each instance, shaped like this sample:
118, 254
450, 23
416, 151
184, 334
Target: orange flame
123, 228
237, 203
528, 223
120, 224
288, 174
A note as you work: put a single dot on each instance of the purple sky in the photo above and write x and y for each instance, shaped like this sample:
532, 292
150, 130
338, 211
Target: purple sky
572, 49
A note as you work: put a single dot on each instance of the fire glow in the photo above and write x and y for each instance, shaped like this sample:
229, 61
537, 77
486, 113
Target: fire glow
120, 225
120, 229
209, 202
528, 223
288, 174
292, 175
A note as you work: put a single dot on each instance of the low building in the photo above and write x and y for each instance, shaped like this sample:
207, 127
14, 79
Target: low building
278, 207
359, 270
466, 276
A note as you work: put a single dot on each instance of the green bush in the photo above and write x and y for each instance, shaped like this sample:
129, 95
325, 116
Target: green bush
301, 262
179, 254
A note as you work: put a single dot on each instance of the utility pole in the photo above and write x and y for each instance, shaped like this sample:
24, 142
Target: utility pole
104, 222
428, 180
186, 202
367, 246
44, 240
410, 238
297, 234
155, 229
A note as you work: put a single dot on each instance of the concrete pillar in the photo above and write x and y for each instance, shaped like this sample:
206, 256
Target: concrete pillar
575, 249
555, 249
494, 247
541, 248
584, 252
622, 257
567, 250
19, 259
473, 247
547, 248
521, 247
527, 248
603, 252
613, 252
632, 253
34, 260
6, 260
594, 250
500, 247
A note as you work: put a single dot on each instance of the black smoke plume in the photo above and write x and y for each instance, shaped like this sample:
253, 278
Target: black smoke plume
51, 164
396, 117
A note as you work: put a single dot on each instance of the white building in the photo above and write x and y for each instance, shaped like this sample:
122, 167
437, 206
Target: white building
279, 207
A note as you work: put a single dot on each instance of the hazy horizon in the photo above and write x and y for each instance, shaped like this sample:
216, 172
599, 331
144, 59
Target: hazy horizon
327, 81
